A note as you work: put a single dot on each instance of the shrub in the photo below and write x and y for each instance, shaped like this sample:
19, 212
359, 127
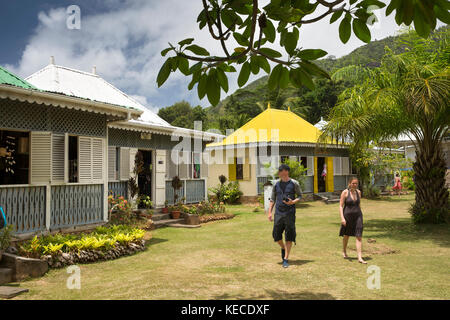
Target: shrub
227, 193
120, 210
102, 239
5, 237
422, 215
372, 192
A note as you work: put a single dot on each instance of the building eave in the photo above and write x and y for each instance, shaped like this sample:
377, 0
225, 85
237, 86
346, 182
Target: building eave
64, 101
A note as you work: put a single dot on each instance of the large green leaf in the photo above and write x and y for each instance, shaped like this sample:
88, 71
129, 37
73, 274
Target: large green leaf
213, 88
244, 74
164, 72
291, 40
270, 52
284, 78
242, 40
275, 77
345, 28
311, 54
361, 30
269, 31
197, 50
420, 24
223, 79
201, 87
186, 41
263, 63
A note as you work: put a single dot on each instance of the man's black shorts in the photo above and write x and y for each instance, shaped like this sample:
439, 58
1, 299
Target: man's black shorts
286, 223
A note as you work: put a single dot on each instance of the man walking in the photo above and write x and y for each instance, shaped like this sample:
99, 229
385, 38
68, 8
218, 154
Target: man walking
285, 194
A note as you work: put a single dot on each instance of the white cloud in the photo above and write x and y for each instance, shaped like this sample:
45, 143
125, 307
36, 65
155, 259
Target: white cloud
124, 44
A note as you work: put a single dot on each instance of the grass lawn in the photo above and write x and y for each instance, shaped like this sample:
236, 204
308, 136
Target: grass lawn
237, 259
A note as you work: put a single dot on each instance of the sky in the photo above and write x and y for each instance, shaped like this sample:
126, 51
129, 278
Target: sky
124, 38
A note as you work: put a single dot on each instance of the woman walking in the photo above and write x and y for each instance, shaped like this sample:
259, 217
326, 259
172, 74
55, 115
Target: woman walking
351, 218
397, 184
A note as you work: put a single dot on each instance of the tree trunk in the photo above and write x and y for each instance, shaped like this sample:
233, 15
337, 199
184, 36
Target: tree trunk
429, 177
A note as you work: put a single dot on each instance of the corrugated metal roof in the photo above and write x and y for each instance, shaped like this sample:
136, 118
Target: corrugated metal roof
90, 86
11, 79
291, 128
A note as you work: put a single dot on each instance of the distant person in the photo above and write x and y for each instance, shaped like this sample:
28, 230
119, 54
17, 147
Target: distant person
285, 194
351, 218
397, 184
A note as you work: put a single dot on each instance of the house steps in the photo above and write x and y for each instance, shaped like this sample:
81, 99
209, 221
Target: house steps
327, 197
160, 216
167, 222
6, 276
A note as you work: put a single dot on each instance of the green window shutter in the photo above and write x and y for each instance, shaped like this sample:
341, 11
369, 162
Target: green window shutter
58, 157
41, 157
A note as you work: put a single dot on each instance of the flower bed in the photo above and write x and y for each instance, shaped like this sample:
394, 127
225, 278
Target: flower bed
215, 217
105, 243
208, 211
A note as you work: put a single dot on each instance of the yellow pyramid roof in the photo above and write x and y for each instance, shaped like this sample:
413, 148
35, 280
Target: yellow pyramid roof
265, 127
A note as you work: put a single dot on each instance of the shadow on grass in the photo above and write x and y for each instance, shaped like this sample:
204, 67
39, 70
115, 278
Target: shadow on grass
154, 241
279, 295
297, 262
404, 230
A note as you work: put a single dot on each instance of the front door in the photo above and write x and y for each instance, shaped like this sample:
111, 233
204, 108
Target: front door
145, 173
321, 170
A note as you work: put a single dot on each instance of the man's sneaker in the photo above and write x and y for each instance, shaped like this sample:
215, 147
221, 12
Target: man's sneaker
285, 263
283, 253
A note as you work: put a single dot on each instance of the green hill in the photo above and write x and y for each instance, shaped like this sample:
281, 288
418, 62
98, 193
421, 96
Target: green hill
249, 101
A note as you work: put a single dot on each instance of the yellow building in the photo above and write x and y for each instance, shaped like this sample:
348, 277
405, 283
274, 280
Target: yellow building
271, 137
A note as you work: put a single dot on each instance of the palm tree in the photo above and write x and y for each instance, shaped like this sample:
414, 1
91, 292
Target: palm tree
406, 95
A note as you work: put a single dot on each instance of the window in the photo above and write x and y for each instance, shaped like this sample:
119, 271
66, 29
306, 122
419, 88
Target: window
196, 165
239, 169
304, 162
73, 159
14, 157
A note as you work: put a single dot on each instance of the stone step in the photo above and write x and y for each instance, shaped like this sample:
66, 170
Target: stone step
160, 216
6, 276
167, 222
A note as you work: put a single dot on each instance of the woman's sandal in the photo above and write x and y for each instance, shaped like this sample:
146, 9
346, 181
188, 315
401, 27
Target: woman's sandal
345, 255
362, 261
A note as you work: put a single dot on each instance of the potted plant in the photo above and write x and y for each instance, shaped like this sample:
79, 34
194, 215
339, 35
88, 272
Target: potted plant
146, 203
166, 207
177, 184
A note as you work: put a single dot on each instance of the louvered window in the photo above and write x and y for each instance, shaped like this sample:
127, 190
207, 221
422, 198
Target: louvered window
345, 166
112, 158
310, 166
124, 163
41, 157
337, 166
58, 157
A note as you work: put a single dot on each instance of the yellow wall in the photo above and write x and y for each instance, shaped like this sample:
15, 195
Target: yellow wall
247, 186
329, 183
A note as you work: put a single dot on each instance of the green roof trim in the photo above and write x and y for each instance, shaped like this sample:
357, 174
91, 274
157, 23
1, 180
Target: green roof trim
11, 79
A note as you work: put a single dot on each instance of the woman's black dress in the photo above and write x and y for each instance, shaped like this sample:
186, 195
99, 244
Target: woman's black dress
353, 217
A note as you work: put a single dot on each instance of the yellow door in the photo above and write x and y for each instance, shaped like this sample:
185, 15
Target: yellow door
329, 183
